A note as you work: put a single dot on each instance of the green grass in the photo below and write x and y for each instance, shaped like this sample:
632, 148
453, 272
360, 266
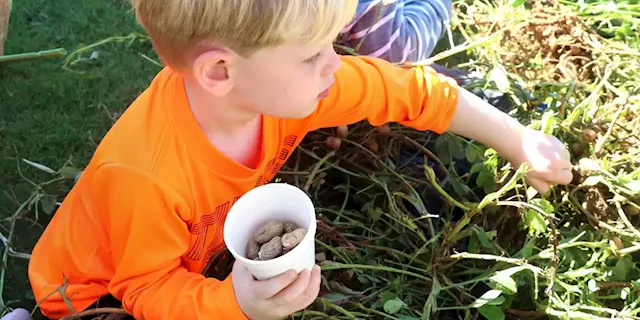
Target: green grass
48, 114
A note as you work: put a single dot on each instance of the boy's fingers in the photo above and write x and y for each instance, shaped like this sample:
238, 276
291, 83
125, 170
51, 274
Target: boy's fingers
313, 289
565, 176
293, 292
541, 186
241, 274
266, 289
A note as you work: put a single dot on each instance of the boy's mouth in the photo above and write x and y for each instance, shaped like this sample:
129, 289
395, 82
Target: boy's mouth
324, 94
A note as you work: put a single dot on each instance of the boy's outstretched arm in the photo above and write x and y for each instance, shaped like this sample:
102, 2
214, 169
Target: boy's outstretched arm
374, 90
548, 159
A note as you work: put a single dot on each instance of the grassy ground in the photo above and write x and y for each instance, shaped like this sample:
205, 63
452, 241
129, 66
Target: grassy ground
51, 115
388, 254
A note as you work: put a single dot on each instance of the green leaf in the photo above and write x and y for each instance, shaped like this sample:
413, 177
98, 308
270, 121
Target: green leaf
69, 172
492, 312
483, 237
485, 180
527, 249
535, 222
505, 280
432, 303
497, 301
334, 297
442, 149
470, 153
460, 188
480, 152
374, 213
543, 204
473, 244
622, 268
485, 298
517, 3
476, 168
393, 306
48, 203
507, 303
386, 296
457, 149
365, 279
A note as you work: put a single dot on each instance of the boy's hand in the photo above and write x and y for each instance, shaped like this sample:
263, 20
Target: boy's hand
277, 297
549, 161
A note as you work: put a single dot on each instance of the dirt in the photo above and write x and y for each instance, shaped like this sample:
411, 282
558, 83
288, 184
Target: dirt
552, 44
597, 205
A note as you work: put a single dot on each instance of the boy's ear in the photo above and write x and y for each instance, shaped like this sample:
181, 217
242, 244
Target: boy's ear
211, 70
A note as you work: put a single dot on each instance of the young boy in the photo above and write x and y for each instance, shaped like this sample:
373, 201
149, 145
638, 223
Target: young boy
245, 81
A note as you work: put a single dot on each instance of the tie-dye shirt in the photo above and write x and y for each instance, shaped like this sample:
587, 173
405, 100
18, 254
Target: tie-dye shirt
397, 30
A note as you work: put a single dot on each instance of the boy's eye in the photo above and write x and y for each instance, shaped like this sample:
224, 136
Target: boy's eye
313, 59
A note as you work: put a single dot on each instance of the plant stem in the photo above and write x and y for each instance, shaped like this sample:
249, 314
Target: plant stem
359, 305
337, 266
54, 53
466, 255
337, 308
315, 170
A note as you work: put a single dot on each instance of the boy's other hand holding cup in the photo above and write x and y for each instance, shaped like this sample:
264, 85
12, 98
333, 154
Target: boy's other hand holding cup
277, 297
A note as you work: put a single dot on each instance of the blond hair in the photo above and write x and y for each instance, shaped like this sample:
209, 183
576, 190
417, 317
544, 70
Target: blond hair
177, 27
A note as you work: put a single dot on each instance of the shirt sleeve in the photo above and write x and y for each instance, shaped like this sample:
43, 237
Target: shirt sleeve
397, 31
147, 237
375, 90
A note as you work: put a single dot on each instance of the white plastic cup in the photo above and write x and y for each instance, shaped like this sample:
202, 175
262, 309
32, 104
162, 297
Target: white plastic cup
273, 201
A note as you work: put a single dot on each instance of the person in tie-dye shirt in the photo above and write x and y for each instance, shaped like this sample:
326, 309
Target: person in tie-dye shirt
397, 30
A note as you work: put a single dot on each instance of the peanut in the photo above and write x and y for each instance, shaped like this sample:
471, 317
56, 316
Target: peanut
383, 129
333, 143
271, 249
274, 239
292, 239
268, 231
252, 249
589, 135
342, 131
289, 226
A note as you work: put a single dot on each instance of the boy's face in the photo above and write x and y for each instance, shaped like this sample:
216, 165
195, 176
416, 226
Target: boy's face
285, 82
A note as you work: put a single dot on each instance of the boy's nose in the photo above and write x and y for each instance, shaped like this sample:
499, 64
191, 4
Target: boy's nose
332, 66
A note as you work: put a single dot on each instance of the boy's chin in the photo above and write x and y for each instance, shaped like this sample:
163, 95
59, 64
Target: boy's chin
299, 113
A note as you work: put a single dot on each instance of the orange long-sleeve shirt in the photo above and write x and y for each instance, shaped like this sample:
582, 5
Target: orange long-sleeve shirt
148, 211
